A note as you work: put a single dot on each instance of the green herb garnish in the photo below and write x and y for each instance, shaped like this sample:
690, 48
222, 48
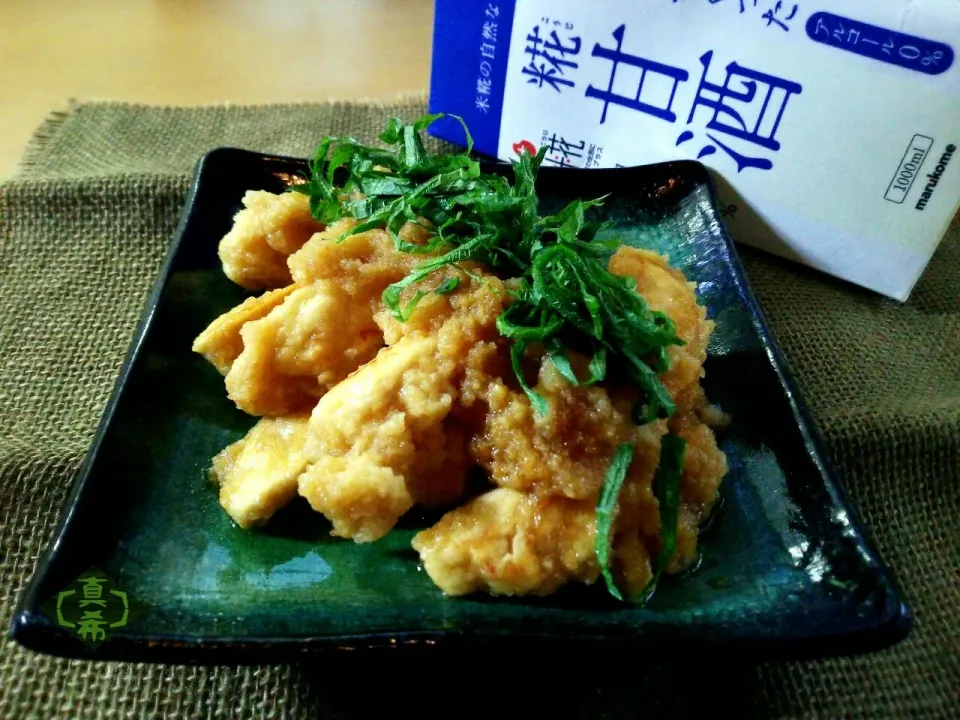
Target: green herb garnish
567, 294
567, 299
667, 485
606, 513
473, 215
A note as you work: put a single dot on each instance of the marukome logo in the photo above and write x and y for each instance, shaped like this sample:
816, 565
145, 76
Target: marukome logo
934, 177
91, 607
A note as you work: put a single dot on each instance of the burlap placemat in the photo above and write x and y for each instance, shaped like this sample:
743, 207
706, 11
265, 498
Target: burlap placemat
85, 223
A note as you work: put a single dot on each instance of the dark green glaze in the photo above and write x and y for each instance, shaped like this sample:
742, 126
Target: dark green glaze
784, 564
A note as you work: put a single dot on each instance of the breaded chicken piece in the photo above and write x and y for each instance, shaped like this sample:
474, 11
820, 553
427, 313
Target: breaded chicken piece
362, 499
375, 430
363, 264
268, 229
511, 543
667, 290
478, 301
565, 452
508, 542
637, 532
325, 329
704, 467
221, 343
704, 463
258, 474
394, 414
316, 337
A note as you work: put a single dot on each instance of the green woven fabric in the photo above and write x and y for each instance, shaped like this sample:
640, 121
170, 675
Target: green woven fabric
85, 224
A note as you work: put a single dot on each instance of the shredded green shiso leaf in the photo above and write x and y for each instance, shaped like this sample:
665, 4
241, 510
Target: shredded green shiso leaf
667, 487
566, 298
606, 513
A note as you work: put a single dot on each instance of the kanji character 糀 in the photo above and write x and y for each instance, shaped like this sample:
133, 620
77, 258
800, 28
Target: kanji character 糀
560, 151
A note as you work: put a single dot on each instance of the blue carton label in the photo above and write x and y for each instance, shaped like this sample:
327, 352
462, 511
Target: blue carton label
471, 46
831, 134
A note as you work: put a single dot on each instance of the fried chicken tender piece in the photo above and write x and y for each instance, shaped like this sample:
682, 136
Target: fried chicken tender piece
637, 532
375, 428
666, 289
560, 461
383, 439
316, 337
362, 499
325, 329
268, 229
565, 455
480, 298
258, 474
565, 452
221, 344
364, 264
511, 543
704, 467
508, 542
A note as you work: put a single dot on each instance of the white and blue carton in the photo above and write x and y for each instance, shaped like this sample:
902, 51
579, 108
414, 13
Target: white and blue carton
832, 129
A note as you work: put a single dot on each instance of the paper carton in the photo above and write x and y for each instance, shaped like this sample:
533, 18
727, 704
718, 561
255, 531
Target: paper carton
831, 128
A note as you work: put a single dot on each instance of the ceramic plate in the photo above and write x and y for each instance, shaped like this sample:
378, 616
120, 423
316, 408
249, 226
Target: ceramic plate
785, 566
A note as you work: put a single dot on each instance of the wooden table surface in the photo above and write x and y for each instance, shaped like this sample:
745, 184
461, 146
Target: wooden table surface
196, 52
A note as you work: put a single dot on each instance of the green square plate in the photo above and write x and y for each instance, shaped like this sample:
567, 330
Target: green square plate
785, 568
